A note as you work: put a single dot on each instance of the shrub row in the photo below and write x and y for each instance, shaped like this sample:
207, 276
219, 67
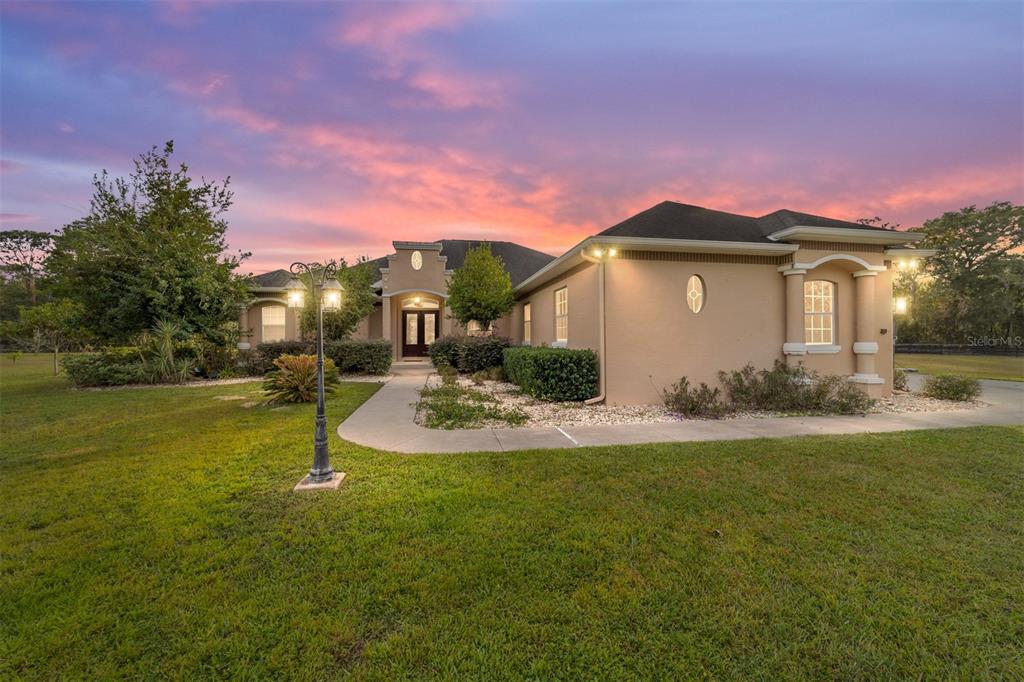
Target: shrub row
362, 357
469, 354
783, 388
111, 367
553, 373
350, 356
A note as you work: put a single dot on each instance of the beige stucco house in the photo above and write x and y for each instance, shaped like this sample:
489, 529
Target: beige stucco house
676, 290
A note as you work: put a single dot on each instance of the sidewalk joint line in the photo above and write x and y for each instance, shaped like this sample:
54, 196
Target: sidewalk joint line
574, 441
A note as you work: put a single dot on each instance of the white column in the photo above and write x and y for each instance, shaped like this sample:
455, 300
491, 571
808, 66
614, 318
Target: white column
243, 329
794, 344
865, 347
385, 322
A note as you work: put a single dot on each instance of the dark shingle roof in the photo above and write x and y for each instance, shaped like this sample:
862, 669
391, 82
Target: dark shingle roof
271, 280
673, 220
520, 261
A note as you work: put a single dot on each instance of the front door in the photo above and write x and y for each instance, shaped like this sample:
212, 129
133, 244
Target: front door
419, 329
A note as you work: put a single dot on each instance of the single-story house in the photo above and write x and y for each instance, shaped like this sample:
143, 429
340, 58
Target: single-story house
676, 290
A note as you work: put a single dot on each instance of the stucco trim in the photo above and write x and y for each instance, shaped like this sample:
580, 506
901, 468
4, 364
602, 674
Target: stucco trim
794, 348
847, 234
910, 253
279, 301
828, 259
823, 348
867, 379
414, 291
865, 347
418, 246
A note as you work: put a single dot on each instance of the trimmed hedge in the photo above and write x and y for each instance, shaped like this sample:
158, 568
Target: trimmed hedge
362, 357
111, 367
556, 374
469, 354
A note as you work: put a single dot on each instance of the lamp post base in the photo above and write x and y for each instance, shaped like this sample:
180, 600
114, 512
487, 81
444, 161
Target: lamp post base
307, 483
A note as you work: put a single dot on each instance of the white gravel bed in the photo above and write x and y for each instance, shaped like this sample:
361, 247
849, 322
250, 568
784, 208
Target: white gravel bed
542, 413
902, 401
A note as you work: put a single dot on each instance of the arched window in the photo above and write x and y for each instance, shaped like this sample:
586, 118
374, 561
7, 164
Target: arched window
819, 312
695, 293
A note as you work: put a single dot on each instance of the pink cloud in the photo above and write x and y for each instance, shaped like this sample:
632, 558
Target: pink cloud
248, 119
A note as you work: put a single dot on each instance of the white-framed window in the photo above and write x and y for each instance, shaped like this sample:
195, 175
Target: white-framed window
695, 293
474, 328
819, 312
526, 323
272, 317
562, 315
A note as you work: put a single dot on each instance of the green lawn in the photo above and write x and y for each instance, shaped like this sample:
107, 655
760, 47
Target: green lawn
977, 366
153, 533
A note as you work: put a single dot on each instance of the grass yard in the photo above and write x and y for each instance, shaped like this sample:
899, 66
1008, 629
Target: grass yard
977, 366
153, 533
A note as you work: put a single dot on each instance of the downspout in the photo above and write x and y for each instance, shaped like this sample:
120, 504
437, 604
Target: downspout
602, 363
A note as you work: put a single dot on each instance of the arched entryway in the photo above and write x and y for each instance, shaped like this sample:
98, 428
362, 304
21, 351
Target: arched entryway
419, 324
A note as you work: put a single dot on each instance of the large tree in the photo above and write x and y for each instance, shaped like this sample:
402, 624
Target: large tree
23, 255
356, 303
480, 290
152, 248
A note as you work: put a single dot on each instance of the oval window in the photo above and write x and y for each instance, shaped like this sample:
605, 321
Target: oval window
695, 293
417, 260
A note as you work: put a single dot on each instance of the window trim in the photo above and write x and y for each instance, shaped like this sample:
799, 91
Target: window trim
527, 323
283, 324
703, 293
564, 316
821, 346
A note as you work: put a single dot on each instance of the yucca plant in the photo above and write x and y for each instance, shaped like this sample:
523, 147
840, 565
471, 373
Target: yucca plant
294, 379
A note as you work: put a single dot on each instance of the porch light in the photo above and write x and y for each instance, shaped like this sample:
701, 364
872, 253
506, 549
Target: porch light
612, 253
332, 295
296, 293
598, 253
900, 305
417, 300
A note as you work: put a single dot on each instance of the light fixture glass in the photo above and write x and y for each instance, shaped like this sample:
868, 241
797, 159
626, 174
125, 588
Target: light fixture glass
613, 253
900, 304
296, 293
332, 295
598, 253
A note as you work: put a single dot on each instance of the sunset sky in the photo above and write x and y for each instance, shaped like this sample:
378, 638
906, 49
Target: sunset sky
345, 126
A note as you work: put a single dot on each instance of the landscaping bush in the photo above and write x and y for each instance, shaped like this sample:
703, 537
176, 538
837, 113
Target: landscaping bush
362, 357
899, 381
702, 401
555, 374
112, 367
268, 352
294, 379
952, 387
787, 388
469, 354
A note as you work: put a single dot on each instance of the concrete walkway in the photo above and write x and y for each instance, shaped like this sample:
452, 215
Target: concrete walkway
385, 421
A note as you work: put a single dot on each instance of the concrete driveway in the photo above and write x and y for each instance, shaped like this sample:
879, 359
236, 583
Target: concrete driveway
385, 421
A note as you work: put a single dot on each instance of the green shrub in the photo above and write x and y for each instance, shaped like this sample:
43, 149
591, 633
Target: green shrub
479, 377
362, 357
787, 388
702, 401
952, 387
268, 352
111, 367
294, 379
469, 354
556, 374
899, 381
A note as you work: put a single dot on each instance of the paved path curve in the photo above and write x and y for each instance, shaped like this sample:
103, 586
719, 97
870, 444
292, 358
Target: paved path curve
385, 421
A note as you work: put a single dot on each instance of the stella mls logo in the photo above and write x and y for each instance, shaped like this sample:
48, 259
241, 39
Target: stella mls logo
1013, 341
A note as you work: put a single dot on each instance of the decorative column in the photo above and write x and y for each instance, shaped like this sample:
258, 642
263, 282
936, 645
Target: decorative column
243, 329
865, 347
385, 322
794, 344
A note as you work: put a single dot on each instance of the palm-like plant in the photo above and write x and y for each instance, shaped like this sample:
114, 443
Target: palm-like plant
294, 380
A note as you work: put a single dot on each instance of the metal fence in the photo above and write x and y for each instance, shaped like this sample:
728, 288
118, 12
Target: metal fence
959, 349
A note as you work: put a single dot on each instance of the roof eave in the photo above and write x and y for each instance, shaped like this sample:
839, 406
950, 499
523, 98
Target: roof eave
847, 234
576, 254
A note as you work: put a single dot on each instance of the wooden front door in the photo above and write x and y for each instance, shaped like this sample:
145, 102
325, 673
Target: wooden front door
419, 329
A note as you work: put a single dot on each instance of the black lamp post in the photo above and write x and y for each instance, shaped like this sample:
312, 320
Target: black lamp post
326, 291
